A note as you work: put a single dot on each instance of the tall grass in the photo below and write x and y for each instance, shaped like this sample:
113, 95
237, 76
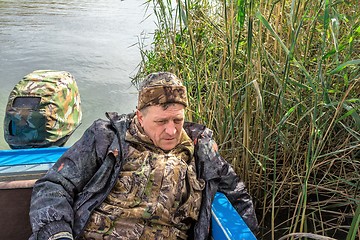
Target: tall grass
279, 83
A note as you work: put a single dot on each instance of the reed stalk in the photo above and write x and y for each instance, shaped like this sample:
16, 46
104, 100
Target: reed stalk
279, 84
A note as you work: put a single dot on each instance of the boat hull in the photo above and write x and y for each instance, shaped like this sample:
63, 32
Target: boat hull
14, 213
19, 170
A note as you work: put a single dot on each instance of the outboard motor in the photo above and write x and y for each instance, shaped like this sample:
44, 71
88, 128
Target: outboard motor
43, 110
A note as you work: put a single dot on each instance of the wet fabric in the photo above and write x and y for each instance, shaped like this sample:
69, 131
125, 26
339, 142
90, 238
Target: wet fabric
43, 109
156, 194
64, 199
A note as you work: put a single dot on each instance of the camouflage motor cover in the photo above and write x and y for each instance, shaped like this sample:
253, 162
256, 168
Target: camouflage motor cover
52, 120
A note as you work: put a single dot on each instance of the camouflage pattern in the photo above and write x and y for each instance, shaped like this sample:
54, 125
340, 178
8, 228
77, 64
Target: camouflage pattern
66, 196
56, 117
154, 194
161, 88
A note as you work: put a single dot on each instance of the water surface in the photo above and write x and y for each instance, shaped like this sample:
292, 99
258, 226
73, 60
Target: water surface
95, 40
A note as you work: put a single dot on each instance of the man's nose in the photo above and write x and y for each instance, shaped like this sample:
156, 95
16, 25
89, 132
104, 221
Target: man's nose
170, 129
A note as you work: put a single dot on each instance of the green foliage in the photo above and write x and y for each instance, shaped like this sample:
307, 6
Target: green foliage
354, 228
278, 82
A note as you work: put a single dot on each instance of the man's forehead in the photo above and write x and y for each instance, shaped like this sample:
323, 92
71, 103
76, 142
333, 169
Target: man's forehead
174, 110
166, 117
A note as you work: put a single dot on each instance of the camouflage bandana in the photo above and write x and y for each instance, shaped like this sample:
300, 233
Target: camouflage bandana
161, 88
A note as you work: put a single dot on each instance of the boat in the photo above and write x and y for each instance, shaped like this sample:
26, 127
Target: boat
20, 168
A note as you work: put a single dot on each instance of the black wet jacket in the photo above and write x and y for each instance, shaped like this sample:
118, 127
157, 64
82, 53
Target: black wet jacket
63, 200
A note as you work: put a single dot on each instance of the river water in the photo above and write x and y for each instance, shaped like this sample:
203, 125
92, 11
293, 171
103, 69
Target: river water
95, 40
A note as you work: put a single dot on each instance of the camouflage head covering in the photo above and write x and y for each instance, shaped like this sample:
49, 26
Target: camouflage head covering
49, 121
161, 88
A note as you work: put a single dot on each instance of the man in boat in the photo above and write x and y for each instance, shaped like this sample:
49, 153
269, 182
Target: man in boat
148, 175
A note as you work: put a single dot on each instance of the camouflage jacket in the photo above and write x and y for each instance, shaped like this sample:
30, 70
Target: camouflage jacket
62, 200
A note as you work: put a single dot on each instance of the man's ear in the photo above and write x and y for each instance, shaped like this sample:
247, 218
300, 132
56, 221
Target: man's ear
139, 117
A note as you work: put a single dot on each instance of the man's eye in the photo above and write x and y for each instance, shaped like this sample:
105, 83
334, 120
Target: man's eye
178, 121
161, 122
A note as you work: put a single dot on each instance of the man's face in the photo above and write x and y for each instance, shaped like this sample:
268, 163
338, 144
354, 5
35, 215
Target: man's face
163, 126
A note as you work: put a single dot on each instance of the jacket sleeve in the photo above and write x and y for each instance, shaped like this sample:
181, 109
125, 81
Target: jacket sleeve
229, 182
53, 196
236, 192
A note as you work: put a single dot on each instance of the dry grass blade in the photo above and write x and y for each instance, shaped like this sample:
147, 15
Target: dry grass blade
305, 235
278, 83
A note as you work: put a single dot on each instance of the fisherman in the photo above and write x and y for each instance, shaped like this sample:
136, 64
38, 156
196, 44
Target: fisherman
145, 175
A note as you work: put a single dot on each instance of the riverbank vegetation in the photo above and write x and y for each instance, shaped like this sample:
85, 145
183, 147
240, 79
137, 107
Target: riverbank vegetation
278, 82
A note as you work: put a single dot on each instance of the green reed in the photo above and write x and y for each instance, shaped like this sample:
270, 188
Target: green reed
278, 82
